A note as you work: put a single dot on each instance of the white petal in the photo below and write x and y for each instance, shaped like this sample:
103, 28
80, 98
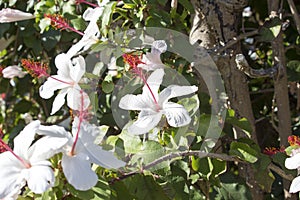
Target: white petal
62, 63
77, 69
147, 120
46, 147
99, 156
12, 15
40, 178
154, 81
295, 185
53, 131
134, 102
92, 14
13, 71
25, 138
293, 162
9, 174
175, 91
48, 88
59, 100
78, 172
159, 46
75, 99
176, 114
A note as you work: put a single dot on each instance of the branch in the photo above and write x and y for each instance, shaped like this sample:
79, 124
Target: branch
295, 14
243, 65
280, 172
171, 156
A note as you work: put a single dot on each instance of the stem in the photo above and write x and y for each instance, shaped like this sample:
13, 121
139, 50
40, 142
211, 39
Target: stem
151, 92
27, 165
79, 124
61, 80
88, 3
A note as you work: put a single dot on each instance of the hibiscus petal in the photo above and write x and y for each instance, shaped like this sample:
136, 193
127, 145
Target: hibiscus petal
77, 69
154, 81
62, 63
293, 162
175, 91
74, 99
48, 88
295, 185
159, 46
25, 138
134, 102
9, 174
45, 148
147, 120
53, 131
99, 156
40, 178
78, 172
176, 114
13, 15
59, 101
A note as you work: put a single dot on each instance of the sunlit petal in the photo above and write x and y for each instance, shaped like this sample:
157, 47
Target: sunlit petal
295, 186
78, 172
293, 162
176, 114
59, 100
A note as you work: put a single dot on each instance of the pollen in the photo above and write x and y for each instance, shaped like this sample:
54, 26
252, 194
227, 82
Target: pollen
35, 69
294, 140
58, 22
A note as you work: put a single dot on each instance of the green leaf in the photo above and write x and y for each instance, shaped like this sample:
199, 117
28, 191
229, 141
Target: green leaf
243, 151
78, 24
23, 106
293, 70
219, 167
101, 190
202, 165
107, 87
144, 188
270, 29
106, 16
148, 152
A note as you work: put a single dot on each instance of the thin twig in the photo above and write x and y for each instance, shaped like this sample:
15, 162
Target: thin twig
280, 172
295, 14
243, 65
237, 39
171, 156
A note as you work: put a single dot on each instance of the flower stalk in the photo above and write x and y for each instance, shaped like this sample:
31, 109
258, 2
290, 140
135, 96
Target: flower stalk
87, 2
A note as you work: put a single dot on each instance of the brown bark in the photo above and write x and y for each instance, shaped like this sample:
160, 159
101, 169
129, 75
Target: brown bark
281, 89
215, 23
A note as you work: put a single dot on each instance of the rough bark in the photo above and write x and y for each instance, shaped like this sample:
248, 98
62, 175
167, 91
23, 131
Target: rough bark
215, 24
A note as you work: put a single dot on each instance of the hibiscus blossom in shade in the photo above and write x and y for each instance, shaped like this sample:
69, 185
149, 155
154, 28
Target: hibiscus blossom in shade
13, 15
27, 162
80, 152
68, 76
154, 105
151, 61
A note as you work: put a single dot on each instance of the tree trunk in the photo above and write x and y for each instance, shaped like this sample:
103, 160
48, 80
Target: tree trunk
215, 23
281, 89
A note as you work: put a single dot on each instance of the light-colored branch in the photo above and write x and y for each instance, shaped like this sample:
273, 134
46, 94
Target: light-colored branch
280, 172
243, 65
295, 14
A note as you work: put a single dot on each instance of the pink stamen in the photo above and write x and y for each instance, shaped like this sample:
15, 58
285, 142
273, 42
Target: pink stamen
86, 2
35, 69
61, 80
133, 61
272, 150
59, 22
4, 146
81, 117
